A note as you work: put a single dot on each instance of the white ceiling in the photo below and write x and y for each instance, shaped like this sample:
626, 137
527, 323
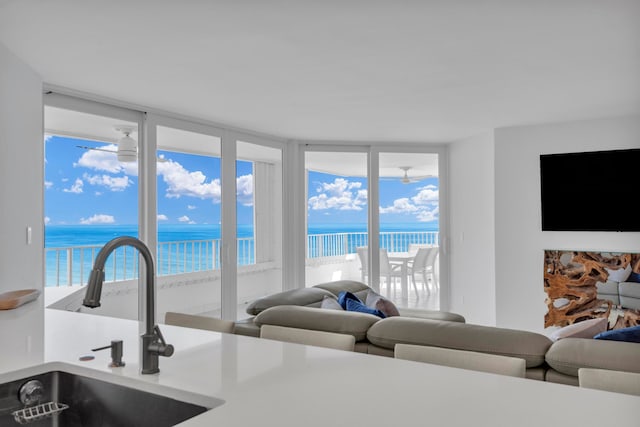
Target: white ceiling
399, 71
84, 126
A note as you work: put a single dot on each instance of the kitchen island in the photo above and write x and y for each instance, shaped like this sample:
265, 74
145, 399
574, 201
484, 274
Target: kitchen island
269, 383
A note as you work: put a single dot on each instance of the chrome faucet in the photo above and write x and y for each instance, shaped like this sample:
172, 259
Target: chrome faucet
153, 344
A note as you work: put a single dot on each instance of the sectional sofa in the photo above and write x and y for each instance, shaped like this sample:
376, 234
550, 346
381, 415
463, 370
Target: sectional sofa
623, 294
545, 359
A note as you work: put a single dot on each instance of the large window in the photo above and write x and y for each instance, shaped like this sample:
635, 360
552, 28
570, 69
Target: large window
337, 213
90, 195
210, 204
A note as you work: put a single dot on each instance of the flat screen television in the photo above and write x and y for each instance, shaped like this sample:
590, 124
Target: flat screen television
590, 191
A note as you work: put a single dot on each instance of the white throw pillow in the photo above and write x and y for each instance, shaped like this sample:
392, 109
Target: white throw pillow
619, 275
330, 303
585, 329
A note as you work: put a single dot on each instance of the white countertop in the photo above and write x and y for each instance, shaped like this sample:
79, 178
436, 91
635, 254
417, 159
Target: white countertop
269, 383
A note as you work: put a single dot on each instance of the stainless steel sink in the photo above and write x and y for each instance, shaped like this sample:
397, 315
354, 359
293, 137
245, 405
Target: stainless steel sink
93, 402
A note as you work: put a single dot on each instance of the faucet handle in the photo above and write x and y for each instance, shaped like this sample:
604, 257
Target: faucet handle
161, 348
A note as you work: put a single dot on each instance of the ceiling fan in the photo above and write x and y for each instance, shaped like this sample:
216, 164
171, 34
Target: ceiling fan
127, 147
406, 179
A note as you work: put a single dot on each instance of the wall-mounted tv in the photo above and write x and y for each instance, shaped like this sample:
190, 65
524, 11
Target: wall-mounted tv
590, 191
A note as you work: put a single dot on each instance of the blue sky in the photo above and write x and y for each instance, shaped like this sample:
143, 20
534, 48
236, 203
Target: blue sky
92, 187
344, 199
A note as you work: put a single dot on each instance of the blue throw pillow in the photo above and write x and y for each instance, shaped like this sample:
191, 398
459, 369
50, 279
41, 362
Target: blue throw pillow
356, 305
634, 277
631, 334
345, 296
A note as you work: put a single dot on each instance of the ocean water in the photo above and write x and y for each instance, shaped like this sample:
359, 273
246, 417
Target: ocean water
62, 236
184, 248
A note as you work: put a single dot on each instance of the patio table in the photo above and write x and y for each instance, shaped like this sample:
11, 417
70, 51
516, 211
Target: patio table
403, 258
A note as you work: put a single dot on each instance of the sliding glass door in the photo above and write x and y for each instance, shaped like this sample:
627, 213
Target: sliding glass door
362, 197
337, 221
409, 225
188, 193
91, 189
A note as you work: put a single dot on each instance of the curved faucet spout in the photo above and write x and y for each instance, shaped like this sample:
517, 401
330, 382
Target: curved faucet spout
150, 347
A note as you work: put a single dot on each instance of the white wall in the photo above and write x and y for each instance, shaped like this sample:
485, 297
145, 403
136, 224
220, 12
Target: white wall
21, 199
519, 241
472, 229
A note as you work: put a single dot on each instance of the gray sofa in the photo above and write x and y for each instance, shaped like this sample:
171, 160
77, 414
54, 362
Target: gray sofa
623, 294
545, 360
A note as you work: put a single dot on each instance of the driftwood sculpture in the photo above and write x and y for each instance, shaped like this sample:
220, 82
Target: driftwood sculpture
570, 280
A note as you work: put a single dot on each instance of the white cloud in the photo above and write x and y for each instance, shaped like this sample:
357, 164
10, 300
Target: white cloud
186, 219
402, 205
113, 183
191, 207
244, 185
107, 162
426, 195
98, 219
47, 220
424, 205
339, 194
48, 184
75, 188
427, 215
180, 182
162, 217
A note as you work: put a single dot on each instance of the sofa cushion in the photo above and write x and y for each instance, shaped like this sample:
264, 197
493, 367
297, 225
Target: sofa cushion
553, 376
431, 314
585, 329
631, 334
343, 322
609, 291
630, 295
526, 345
246, 327
305, 297
568, 355
359, 289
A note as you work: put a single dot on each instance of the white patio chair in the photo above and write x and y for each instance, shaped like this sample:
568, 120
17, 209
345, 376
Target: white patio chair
424, 264
388, 270
616, 381
308, 337
413, 247
503, 365
195, 321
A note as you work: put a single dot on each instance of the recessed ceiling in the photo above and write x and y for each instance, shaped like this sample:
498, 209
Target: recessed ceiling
412, 71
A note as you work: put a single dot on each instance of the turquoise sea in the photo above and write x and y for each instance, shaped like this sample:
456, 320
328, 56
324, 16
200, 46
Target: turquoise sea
62, 236
194, 247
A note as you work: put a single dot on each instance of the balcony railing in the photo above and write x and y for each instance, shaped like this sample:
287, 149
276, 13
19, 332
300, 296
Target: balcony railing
336, 244
72, 265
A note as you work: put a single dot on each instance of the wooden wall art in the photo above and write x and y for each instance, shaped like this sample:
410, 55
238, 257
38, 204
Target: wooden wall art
587, 285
